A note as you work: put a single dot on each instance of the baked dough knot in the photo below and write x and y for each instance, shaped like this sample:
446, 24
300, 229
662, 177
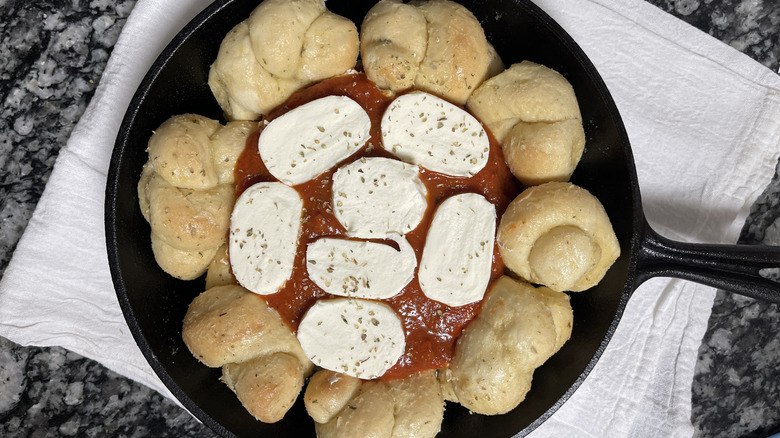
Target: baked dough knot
186, 190
262, 361
558, 235
533, 112
437, 46
344, 406
283, 46
519, 328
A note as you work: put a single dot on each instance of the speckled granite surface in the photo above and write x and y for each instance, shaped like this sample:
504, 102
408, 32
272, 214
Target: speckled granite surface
52, 54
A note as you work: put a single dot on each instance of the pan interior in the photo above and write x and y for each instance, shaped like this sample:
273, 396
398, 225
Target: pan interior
155, 303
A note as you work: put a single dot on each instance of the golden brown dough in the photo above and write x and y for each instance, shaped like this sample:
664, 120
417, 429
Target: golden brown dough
561, 311
189, 219
218, 272
496, 355
525, 91
143, 189
242, 87
393, 40
261, 359
283, 46
437, 46
185, 191
533, 112
419, 405
330, 48
368, 415
228, 324
179, 150
557, 234
184, 265
405, 408
267, 386
226, 146
458, 55
328, 392
277, 29
495, 65
540, 152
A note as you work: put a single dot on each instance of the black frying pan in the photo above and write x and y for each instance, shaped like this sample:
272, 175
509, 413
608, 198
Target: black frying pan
154, 303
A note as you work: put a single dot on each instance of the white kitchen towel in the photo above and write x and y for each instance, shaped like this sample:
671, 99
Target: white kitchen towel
704, 122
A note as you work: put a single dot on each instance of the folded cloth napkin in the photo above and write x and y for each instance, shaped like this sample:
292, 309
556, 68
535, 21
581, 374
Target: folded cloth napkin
703, 122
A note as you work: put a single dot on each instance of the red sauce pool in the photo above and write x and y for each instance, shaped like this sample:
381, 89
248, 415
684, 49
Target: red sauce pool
432, 328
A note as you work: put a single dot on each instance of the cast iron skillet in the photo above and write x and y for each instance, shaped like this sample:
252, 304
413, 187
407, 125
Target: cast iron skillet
154, 303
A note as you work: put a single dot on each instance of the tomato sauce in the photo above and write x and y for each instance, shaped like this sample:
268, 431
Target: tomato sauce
432, 328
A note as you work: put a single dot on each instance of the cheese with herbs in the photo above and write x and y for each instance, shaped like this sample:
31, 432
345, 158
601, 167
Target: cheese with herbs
356, 337
423, 129
264, 230
376, 197
312, 138
361, 269
458, 255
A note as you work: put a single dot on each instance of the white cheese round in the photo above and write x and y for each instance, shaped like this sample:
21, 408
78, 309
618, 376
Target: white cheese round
429, 131
458, 254
376, 197
312, 138
361, 269
356, 337
264, 230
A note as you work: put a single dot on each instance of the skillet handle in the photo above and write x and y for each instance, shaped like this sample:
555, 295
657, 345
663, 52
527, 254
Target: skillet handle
734, 268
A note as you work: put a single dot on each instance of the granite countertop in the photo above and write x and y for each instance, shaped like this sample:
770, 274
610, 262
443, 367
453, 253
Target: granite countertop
52, 55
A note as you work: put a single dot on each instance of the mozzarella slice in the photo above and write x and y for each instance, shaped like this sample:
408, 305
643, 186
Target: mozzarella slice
353, 268
356, 337
376, 197
264, 230
310, 139
458, 254
424, 129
